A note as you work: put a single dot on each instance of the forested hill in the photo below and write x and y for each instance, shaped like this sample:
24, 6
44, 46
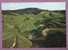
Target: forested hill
30, 11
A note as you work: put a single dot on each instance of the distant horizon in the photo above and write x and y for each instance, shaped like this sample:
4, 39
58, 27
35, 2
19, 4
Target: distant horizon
29, 7
41, 5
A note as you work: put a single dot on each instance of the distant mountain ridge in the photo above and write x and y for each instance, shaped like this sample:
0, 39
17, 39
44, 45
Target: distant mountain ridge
27, 10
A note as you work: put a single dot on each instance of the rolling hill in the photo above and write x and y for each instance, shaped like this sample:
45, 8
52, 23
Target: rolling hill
24, 27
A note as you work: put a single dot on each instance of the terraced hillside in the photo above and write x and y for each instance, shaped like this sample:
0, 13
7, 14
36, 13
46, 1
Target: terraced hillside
33, 27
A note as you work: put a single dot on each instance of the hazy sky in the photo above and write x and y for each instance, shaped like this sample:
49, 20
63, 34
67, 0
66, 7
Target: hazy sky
41, 5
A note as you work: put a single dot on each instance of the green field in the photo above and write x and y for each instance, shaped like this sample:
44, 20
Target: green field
21, 27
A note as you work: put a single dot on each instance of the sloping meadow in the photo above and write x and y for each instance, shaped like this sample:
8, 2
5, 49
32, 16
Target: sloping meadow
32, 27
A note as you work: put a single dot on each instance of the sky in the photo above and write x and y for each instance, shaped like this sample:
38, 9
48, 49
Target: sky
41, 5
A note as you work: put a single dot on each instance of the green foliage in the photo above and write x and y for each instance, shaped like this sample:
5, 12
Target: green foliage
19, 26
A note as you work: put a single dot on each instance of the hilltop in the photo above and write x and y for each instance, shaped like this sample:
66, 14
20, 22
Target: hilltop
29, 11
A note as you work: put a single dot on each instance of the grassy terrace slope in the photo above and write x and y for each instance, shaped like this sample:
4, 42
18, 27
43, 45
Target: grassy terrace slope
23, 26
